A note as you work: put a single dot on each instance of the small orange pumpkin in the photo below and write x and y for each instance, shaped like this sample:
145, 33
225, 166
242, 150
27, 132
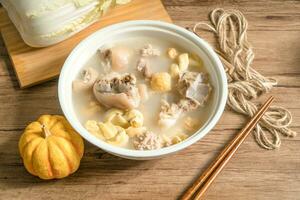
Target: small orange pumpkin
50, 147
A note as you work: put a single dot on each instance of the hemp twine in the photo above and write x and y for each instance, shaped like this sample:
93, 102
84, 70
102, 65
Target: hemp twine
244, 83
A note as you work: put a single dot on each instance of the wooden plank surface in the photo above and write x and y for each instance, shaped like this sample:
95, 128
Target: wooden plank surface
33, 67
253, 173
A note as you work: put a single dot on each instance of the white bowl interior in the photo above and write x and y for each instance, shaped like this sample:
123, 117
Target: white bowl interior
87, 48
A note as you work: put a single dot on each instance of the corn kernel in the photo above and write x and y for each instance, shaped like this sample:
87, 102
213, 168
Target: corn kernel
172, 53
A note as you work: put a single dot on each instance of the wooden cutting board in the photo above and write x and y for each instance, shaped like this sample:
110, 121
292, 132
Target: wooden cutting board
36, 65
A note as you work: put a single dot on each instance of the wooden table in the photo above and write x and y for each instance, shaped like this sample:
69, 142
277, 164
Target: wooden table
253, 173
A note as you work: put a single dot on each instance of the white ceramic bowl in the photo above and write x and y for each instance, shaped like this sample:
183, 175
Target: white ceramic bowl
179, 35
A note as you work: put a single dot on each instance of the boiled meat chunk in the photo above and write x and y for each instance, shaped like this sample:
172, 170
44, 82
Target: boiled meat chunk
147, 141
169, 113
86, 80
193, 86
120, 100
199, 93
119, 91
188, 104
144, 68
118, 57
149, 51
194, 92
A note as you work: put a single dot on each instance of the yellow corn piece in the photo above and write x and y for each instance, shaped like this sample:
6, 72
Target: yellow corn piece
132, 131
183, 62
108, 130
121, 139
174, 70
172, 53
93, 128
135, 118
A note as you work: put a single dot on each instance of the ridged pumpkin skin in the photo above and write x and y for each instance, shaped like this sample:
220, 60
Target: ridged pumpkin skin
50, 147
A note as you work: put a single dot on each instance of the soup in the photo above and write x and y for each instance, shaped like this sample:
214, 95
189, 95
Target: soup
142, 93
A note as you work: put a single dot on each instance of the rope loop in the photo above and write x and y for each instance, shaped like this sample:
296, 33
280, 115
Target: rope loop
244, 83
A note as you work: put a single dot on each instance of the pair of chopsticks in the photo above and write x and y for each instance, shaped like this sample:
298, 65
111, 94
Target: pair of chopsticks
197, 190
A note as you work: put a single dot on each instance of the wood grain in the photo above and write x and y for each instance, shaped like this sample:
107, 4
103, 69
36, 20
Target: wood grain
33, 67
254, 173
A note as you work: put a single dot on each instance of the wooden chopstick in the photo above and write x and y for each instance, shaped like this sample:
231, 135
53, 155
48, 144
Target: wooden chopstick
204, 181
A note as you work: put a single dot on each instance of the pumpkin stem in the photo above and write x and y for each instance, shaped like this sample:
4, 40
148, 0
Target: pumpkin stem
46, 131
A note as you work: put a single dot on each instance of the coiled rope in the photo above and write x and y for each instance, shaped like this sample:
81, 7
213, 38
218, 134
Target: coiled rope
244, 83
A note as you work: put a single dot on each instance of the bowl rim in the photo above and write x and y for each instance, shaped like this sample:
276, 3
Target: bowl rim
144, 154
